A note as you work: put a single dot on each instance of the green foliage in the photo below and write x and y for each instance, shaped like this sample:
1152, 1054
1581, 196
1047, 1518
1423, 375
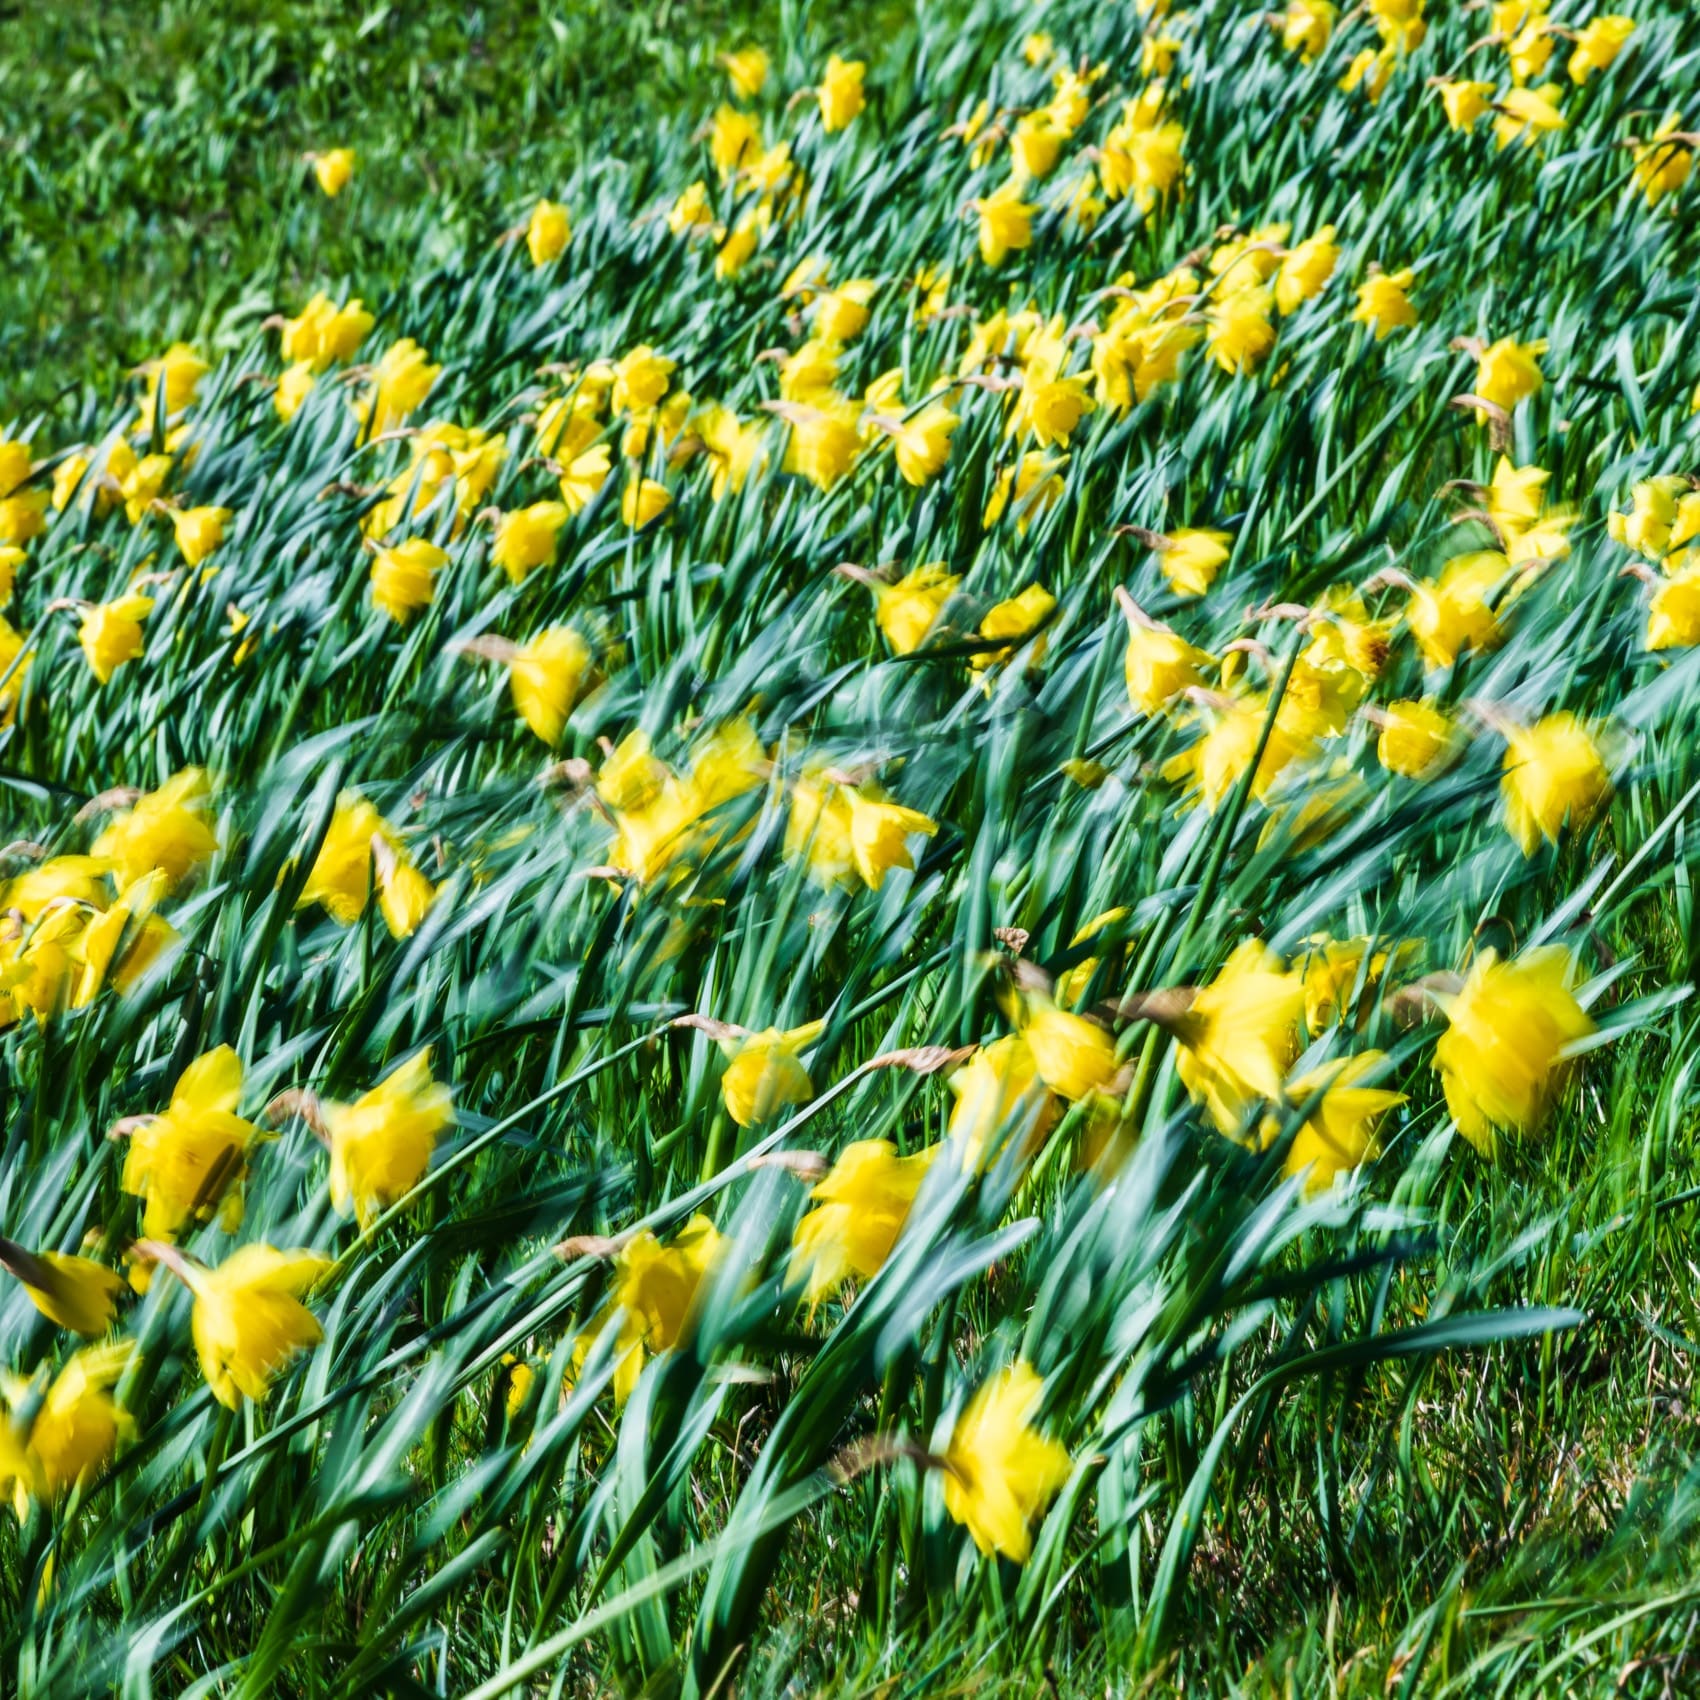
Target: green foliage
1424, 1430
151, 177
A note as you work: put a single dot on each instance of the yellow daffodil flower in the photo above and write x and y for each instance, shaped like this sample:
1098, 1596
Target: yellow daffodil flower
381, 1144
999, 1472
1501, 1057
188, 1163
861, 1207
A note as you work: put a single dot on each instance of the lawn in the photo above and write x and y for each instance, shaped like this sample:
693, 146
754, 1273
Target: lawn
152, 154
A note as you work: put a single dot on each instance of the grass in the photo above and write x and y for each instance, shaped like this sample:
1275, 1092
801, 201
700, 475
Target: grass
1428, 1429
152, 164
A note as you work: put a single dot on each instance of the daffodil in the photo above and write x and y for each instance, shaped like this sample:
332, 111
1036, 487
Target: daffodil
1502, 1057
825, 438
57, 937
1509, 372
23, 516
16, 462
1514, 495
68, 479
1525, 115
1240, 332
999, 1094
403, 575
734, 449
641, 378
14, 668
1453, 613
1333, 970
840, 94
692, 211
1075, 1057
1073, 984
526, 538
1370, 70
405, 893
111, 633
727, 762
55, 883
547, 676
1306, 269
399, 382
332, 169
1598, 43
1649, 528
1464, 101
547, 232
732, 135
1034, 145
1157, 54
1530, 50
1673, 614
653, 836
1240, 1035
1141, 158
1400, 22
167, 831
1662, 165
381, 1144
643, 501
1048, 407
1192, 557
1006, 223
1554, 773
120, 946
1160, 665
1346, 636
361, 854
139, 480
907, 610
841, 314
850, 833
740, 244
583, 476
55, 1438
1233, 729
1306, 26
763, 1074
248, 1321
860, 1209
75, 1292
1323, 690
881, 833
747, 69
1071, 99
1017, 619
653, 1295
1417, 739
188, 1163
1339, 1133
1031, 486
1384, 302
817, 829
174, 375
295, 383
921, 442
323, 332
1000, 1472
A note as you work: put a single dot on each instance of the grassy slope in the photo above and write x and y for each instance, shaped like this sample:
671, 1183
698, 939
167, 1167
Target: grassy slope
144, 188
150, 153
